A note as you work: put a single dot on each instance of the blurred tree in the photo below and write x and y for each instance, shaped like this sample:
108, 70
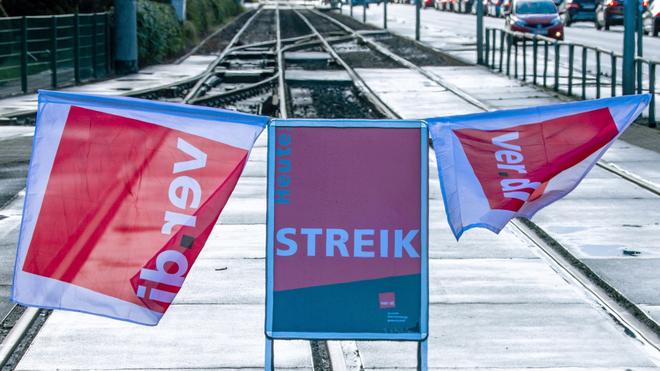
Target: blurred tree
46, 7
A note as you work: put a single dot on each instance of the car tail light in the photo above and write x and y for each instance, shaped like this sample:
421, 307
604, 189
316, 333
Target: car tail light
612, 3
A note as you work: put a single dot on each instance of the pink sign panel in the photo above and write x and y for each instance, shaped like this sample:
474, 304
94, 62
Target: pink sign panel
347, 229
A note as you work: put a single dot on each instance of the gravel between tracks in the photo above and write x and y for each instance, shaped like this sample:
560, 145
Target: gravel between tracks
219, 42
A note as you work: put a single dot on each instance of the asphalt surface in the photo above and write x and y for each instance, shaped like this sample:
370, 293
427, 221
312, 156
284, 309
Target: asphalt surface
463, 26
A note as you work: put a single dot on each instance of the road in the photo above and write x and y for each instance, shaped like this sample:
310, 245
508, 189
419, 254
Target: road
463, 27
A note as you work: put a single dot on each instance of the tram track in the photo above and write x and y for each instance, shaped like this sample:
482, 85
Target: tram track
637, 323
275, 86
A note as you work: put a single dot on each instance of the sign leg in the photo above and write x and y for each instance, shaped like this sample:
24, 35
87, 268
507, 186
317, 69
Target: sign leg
269, 362
422, 355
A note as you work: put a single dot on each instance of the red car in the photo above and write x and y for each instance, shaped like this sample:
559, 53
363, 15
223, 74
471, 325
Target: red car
535, 16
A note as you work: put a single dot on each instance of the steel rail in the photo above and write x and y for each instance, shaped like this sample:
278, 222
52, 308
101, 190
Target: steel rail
358, 82
211, 67
17, 334
626, 313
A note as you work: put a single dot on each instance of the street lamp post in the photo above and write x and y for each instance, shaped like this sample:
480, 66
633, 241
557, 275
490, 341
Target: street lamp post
629, 25
480, 31
418, 5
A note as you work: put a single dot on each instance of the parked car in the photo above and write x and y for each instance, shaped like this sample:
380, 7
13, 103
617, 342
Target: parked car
651, 18
428, 3
535, 16
572, 11
609, 13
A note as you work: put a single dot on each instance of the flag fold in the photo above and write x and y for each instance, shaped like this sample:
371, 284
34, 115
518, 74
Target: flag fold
121, 196
495, 166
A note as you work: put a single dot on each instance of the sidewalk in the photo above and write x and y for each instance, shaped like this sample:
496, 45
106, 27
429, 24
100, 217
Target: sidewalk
456, 42
146, 79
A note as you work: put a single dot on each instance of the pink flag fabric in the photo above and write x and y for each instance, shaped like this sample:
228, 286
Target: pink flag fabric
121, 196
496, 166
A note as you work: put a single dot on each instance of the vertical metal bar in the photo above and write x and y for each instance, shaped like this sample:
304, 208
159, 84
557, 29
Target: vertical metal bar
351, 7
501, 49
652, 122
639, 64
364, 11
524, 55
613, 73
535, 53
269, 362
385, 14
494, 36
76, 47
422, 355
598, 73
53, 51
418, 5
108, 47
487, 49
545, 63
24, 50
480, 30
627, 72
509, 41
640, 45
584, 72
94, 51
515, 59
571, 59
557, 65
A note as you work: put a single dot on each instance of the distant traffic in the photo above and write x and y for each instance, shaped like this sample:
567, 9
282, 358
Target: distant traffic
549, 17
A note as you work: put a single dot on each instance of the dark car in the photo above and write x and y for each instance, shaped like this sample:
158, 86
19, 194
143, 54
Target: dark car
573, 11
609, 13
651, 18
538, 17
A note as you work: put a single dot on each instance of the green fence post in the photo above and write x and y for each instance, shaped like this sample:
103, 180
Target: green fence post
545, 63
24, 50
557, 51
584, 72
598, 73
53, 51
613, 73
535, 53
94, 51
76, 47
652, 91
571, 60
108, 48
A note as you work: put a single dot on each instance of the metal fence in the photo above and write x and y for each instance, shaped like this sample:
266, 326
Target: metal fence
50, 51
538, 59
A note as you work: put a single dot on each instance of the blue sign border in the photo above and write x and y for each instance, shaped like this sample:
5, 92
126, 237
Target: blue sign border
424, 152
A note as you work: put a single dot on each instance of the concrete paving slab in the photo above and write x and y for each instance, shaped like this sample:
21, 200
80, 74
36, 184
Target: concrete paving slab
236, 241
637, 279
652, 310
497, 281
515, 336
188, 337
224, 281
244, 211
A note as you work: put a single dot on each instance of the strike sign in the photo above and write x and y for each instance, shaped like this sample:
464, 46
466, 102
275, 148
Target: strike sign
347, 230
